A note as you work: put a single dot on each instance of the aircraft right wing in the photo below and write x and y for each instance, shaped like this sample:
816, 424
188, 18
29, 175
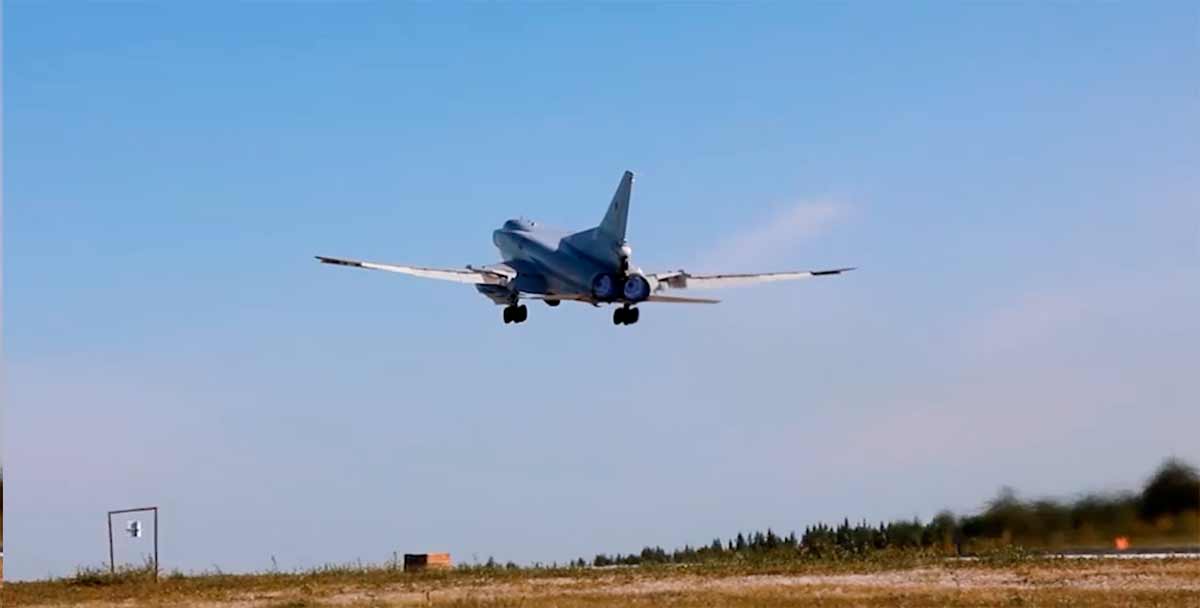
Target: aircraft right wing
492, 275
680, 279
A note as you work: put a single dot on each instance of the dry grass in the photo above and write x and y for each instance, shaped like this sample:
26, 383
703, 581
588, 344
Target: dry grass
1035, 582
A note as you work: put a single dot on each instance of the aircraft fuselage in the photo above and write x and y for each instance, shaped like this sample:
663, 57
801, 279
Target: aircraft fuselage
546, 262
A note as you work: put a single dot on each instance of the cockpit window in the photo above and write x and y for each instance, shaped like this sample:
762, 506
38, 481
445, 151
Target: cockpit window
518, 224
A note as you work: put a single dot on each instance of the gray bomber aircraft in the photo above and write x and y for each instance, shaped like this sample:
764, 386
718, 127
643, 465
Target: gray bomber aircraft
591, 266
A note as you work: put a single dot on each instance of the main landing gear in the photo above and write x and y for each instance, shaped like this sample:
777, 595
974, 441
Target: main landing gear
625, 316
515, 314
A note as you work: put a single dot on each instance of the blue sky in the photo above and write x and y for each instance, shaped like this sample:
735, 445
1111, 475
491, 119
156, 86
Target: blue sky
1017, 182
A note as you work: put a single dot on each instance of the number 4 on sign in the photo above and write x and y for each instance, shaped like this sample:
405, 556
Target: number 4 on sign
133, 527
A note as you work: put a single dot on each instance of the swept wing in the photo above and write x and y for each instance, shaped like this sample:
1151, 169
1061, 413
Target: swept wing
681, 279
491, 275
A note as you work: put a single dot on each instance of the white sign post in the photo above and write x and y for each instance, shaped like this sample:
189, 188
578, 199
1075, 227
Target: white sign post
134, 528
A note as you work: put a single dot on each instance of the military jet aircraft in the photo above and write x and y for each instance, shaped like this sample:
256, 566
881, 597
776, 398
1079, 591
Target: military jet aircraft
593, 266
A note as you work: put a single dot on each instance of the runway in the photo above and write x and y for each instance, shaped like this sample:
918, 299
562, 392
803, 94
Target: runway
1192, 553
1131, 554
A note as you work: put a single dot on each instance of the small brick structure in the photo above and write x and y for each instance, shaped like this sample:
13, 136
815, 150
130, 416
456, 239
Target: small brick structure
426, 561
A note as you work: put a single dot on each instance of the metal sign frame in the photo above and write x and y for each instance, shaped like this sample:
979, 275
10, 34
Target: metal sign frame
112, 562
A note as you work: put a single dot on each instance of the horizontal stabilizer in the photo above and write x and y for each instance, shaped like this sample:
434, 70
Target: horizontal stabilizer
590, 300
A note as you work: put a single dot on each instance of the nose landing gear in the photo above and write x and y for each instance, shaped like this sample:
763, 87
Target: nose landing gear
625, 315
515, 314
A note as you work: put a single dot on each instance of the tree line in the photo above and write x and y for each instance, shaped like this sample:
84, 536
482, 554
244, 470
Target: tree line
1165, 511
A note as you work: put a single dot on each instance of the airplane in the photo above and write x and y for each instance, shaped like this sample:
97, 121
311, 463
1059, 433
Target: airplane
592, 266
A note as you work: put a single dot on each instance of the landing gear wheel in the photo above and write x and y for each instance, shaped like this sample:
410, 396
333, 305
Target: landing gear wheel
515, 314
625, 316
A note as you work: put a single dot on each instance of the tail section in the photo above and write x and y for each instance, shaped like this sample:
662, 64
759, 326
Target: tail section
613, 225
606, 242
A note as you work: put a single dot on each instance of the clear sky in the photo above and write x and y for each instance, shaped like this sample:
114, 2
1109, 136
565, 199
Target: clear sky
1018, 183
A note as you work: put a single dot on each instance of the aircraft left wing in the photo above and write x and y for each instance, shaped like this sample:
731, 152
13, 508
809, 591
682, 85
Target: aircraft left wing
680, 279
492, 275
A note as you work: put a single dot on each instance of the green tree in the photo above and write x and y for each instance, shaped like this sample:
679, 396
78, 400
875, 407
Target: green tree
1175, 488
941, 532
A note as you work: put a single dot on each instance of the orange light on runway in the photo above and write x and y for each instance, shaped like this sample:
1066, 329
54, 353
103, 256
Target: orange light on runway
1121, 543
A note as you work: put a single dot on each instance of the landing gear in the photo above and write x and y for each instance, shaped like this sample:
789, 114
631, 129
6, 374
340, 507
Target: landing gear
553, 303
515, 314
625, 316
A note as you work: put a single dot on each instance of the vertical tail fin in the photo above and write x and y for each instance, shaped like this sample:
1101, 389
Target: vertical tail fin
613, 225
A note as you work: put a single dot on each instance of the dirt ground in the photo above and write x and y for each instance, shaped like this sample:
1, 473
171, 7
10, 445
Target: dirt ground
1044, 582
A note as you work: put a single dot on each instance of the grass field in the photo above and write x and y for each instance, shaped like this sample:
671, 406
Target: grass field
896, 582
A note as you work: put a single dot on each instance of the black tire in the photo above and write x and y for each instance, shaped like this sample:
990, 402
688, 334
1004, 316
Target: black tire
618, 316
632, 316
507, 315
522, 313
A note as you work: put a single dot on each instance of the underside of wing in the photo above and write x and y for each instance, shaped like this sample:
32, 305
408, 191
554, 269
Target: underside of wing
492, 275
680, 300
684, 280
559, 296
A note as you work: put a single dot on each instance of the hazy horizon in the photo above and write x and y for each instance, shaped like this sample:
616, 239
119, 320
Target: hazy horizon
1017, 184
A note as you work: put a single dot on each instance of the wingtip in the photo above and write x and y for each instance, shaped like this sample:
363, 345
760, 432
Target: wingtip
337, 262
821, 273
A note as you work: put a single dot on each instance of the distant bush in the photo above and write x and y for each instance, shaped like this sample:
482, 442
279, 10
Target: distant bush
102, 576
1167, 509
1174, 489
